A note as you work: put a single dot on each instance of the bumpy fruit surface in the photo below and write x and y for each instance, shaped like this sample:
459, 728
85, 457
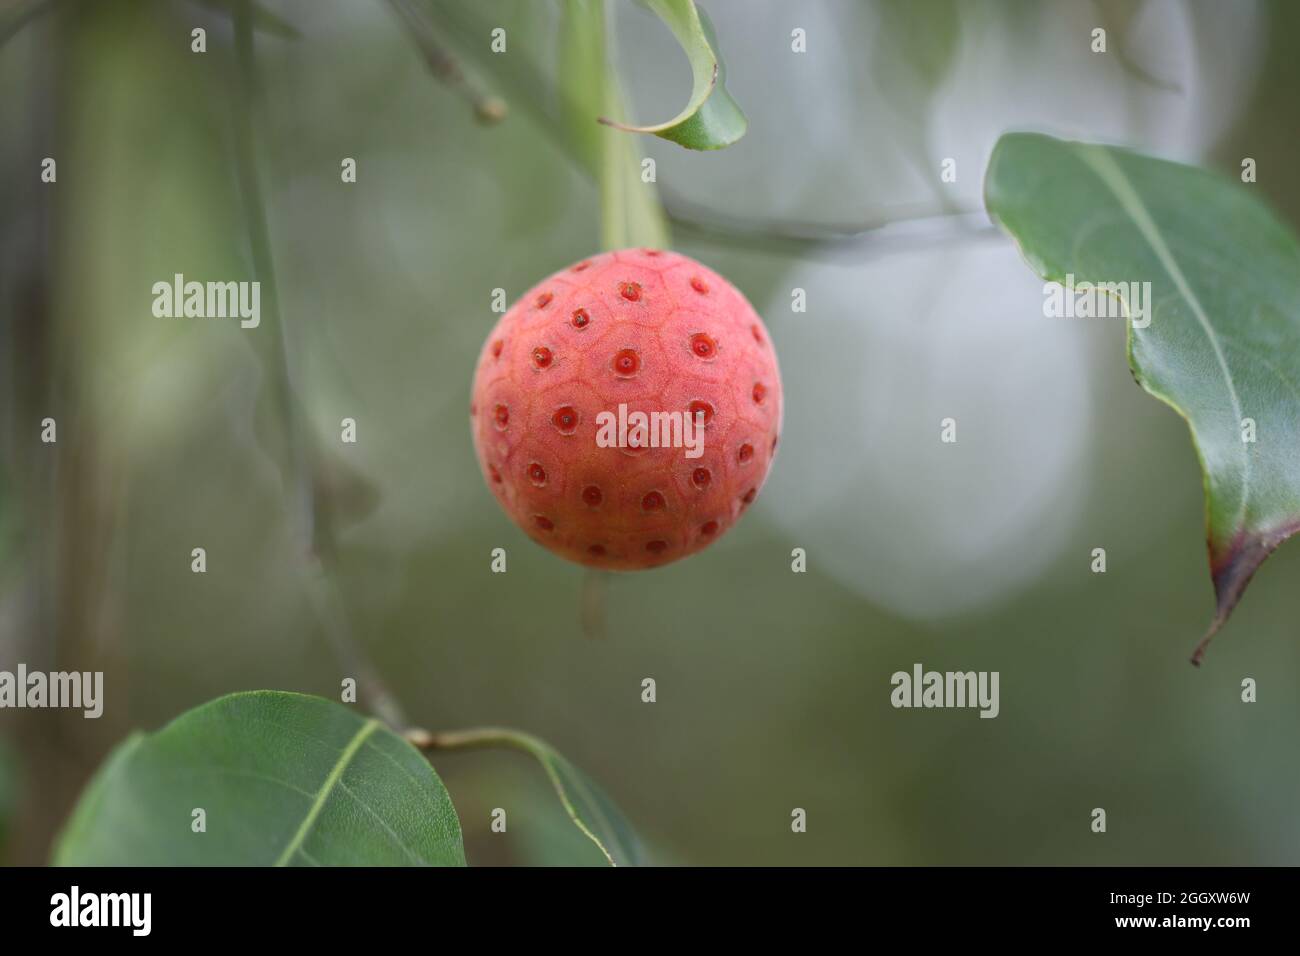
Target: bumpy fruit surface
655, 332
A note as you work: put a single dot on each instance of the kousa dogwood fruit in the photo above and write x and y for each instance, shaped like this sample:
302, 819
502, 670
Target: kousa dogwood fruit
626, 410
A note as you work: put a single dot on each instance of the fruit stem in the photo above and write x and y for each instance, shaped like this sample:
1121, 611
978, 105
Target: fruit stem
593, 603
631, 213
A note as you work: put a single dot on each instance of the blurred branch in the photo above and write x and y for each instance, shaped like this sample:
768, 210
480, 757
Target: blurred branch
916, 224
445, 67
313, 518
17, 15
264, 21
259, 239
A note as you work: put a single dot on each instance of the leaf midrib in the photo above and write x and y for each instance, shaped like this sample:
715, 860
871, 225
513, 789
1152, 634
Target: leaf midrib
1112, 177
322, 795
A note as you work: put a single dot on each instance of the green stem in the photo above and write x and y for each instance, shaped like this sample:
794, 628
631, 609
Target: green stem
474, 738
630, 211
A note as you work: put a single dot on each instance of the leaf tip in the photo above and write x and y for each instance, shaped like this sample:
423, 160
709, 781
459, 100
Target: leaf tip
1198, 655
1232, 570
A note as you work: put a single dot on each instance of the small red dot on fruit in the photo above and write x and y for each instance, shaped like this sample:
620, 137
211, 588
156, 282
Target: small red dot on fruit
494, 473
630, 291
746, 452
651, 252
709, 527
749, 496
580, 266
774, 438
703, 345
656, 547
653, 501
701, 477
544, 300
565, 419
760, 392
596, 549
698, 408
537, 474
580, 318
543, 522
699, 285
497, 346
542, 357
758, 336
626, 362
473, 409
592, 495
501, 415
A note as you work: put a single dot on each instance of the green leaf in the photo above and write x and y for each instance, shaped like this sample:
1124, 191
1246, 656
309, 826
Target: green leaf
711, 119
631, 214
283, 779
590, 809
1223, 343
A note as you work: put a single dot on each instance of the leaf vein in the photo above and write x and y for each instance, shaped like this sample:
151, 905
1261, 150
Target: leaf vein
1112, 176
335, 775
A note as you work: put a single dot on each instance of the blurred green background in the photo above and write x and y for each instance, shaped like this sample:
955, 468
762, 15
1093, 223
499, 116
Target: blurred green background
773, 687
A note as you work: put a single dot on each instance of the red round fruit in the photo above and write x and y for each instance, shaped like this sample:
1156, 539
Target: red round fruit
656, 334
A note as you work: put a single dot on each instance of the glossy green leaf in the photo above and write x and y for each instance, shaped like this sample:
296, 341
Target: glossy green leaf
282, 779
1223, 341
711, 119
587, 805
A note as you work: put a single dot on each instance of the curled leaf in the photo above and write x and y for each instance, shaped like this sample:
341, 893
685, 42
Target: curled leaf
711, 119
